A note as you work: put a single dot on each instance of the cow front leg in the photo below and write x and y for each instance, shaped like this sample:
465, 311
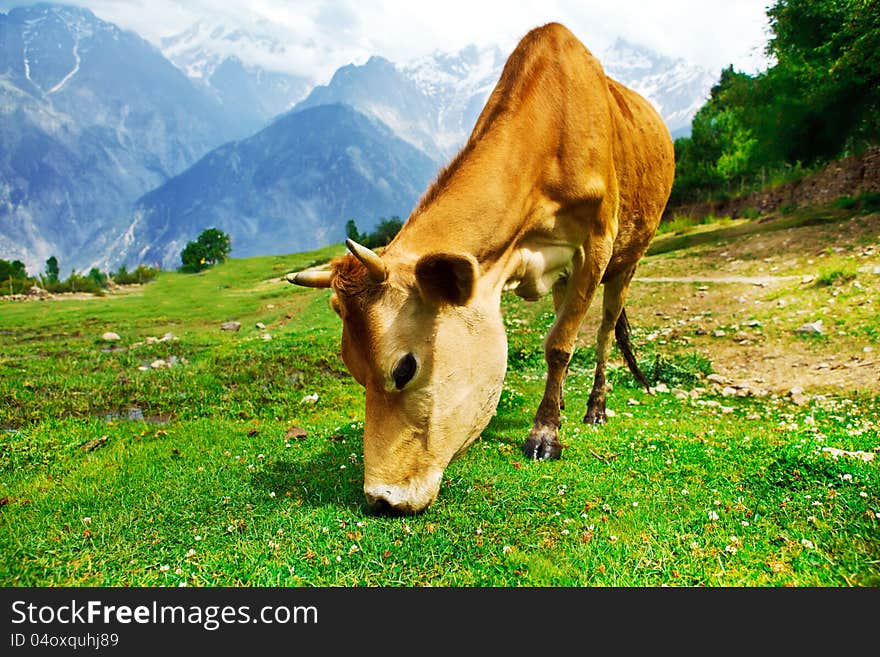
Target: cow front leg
543, 440
571, 304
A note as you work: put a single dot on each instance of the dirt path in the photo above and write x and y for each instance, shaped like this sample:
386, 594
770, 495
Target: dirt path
747, 303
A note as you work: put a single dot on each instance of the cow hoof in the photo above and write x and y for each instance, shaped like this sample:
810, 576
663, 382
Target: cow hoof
595, 416
542, 444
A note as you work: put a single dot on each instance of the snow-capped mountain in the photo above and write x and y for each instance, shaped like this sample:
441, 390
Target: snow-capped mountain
91, 117
243, 67
434, 102
675, 87
101, 135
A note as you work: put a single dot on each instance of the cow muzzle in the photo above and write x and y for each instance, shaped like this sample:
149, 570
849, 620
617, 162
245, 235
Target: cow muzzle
406, 499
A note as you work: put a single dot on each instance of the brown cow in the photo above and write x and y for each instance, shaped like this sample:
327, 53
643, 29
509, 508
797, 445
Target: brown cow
559, 188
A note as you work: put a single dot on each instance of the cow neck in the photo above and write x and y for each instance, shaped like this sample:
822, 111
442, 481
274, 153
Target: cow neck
479, 210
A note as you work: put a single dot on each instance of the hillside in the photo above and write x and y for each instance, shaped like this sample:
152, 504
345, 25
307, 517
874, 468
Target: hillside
185, 454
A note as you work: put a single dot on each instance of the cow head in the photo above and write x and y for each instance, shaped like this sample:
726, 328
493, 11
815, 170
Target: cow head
427, 343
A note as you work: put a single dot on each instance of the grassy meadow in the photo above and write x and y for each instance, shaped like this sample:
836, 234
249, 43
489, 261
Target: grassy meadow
183, 454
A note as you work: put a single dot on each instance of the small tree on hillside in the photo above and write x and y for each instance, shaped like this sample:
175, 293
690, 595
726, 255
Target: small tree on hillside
52, 270
385, 231
352, 232
211, 247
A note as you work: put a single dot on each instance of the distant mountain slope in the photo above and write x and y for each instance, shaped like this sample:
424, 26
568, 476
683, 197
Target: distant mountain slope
241, 66
434, 102
290, 187
676, 88
91, 117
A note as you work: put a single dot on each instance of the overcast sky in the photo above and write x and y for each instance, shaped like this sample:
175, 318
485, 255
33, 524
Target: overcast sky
321, 35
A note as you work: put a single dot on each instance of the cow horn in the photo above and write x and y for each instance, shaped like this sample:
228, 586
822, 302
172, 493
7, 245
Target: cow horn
370, 259
310, 278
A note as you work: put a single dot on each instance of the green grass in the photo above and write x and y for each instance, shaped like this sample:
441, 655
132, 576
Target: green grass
204, 487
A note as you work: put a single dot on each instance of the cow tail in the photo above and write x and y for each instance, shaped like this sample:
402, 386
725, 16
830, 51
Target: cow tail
621, 334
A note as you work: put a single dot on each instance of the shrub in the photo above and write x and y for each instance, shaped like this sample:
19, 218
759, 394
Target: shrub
142, 274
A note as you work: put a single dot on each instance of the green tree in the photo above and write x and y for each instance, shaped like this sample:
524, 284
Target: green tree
14, 276
52, 269
98, 277
211, 247
352, 233
819, 100
385, 231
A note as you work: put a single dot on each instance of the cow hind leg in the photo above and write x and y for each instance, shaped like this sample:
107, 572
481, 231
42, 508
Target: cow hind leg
572, 303
614, 324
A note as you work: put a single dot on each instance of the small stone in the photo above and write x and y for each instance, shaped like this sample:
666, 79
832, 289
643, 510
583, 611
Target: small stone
813, 328
727, 391
716, 378
718, 333
295, 433
661, 387
110, 336
266, 337
158, 364
230, 326
260, 325
807, 279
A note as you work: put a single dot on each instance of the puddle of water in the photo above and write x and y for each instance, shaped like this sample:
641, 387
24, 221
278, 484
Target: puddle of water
134, 414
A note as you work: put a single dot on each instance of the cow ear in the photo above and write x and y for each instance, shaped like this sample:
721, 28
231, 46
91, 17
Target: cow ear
446, 278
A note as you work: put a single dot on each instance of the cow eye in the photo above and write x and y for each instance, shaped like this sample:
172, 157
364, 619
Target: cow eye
404, 371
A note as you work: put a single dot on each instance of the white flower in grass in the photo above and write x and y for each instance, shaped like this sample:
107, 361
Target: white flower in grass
179, 571
191, 553
713, 515
86, 520
684, 491
863, 494
164, 568
807, 543
272, 494
197, 537
507, 549
182, 584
